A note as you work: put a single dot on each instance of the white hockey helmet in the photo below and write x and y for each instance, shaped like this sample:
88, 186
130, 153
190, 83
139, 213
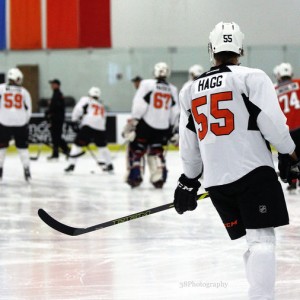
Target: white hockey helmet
284, 70
161, 69
276, 73
16, 75
226, 37
195, 71
94, 92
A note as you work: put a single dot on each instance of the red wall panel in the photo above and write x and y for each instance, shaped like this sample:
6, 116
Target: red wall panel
63, 23
94, 20
25, 24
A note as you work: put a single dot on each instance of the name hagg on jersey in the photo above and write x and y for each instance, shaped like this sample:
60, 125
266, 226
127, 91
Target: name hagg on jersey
211, 82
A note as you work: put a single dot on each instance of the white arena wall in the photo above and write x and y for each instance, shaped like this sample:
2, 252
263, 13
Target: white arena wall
177, 33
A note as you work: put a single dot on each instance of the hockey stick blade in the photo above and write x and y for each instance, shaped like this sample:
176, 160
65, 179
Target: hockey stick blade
73, 231
77, 155
45, 217
37, 155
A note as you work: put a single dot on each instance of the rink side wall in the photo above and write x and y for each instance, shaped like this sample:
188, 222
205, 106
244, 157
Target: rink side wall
39, 132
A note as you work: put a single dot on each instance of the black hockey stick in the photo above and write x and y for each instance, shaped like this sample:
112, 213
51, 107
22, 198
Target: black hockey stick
48, 145
99, 163
73, 231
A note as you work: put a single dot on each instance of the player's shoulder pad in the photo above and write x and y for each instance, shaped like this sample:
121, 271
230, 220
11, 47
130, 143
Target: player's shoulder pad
25, 92
297, 80
2, 86
84, 99
173, 87
255, 74
147, 82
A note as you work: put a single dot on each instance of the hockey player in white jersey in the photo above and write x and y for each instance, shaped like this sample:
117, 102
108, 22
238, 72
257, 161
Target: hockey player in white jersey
194, 72
15, 113
228, 116
90, 114
154, 112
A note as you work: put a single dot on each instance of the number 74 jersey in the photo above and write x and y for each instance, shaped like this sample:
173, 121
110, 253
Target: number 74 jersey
288, 93
90, 112
15, 105
228, 116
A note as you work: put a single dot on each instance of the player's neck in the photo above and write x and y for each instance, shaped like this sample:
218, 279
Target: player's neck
233, 61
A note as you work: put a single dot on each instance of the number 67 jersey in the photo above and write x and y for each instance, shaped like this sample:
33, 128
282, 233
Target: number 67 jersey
15, 105
156, 102
228, 116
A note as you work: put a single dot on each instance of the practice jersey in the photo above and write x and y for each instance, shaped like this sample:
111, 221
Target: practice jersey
90, 112
227, 116
288, 93
156, 102
15, 105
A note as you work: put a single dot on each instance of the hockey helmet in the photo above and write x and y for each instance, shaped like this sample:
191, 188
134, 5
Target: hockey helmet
161, 70
226, 37
94, 92
16, 75
195, 71
284, 70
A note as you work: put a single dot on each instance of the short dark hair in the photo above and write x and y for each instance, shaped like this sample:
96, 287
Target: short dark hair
136, 78
285, 78
57, 81
226, 56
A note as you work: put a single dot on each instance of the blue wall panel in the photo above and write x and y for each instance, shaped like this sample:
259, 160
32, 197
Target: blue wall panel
2, 24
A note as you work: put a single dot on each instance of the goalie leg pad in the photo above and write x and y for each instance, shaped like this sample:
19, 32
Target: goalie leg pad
260, 263
157, 165
135, 166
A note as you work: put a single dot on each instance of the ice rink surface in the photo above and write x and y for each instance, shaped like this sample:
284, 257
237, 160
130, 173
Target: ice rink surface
162, 256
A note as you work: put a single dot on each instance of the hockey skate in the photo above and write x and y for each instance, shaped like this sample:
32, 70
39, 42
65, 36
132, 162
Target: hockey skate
108, 168
53, 157
292, 188
27, 174
70, 169
158, 184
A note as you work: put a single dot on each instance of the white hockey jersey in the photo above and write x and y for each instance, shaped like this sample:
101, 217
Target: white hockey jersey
156, 102
15, 105
90, 112
233, 111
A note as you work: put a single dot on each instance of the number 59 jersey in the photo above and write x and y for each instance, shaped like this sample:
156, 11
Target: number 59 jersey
90, 112
15, 105
156, 102
233, 111
288, 94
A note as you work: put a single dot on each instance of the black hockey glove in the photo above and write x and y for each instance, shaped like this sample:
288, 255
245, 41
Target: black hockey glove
185, 197
288, 168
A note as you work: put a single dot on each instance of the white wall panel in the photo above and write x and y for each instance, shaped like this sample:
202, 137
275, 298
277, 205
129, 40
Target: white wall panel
187, 23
